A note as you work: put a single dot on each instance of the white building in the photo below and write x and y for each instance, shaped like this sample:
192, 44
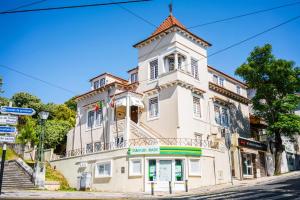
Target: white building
167, 124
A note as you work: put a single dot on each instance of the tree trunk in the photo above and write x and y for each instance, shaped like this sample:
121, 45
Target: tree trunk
278, 152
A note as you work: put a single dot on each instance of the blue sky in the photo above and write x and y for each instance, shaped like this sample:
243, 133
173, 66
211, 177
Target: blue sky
68, 47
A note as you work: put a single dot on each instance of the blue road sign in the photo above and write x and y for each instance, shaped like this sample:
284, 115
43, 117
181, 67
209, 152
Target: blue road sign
17, 111
8, 129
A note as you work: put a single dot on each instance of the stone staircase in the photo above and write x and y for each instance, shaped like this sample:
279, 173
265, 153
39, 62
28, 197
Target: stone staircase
16, 177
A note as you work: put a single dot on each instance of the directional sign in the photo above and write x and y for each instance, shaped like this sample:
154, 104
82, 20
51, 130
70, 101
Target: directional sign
8, 129
17, 111
7, 139
11, 120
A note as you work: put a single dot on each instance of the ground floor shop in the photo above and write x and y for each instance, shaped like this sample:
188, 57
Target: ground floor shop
249, 159
143, 168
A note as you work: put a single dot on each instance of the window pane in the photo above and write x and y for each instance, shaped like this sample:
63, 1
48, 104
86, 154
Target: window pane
154, 69
221, 82
97, 146
136, 166
102, 82
99, 117
225, 117
179, 170
152, 170
89, 148
215, 79
90, 118
196, 107
195, 166
153, 107
96, 84
194, 66
238, 89
217, 114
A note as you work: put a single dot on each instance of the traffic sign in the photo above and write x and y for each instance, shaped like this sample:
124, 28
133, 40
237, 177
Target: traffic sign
17, 110
7, 139
11, 120
8, 129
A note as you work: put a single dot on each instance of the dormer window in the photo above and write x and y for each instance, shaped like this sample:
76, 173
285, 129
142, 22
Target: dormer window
102, 82
96, 84
133, 77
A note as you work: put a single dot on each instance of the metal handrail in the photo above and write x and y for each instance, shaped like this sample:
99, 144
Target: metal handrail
140, 142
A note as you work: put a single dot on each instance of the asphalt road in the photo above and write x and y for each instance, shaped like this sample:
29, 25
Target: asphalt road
283, 189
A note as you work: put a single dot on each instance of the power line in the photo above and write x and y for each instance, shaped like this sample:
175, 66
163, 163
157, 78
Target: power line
137, 16
38, 79
26, 5
244, 15
70, 7
254, 36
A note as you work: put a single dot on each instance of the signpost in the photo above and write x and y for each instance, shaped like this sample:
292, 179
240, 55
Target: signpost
17, 111
10, 120
6, 120
8, 129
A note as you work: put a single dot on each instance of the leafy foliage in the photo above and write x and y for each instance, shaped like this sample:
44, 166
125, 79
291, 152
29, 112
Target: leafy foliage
27, 132
276, 82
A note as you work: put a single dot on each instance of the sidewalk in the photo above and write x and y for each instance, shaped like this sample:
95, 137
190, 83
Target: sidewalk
36, 194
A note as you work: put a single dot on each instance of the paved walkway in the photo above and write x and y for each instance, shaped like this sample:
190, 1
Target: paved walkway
237, 185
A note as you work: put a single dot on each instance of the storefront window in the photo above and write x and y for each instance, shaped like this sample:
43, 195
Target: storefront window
179, 170
152, 170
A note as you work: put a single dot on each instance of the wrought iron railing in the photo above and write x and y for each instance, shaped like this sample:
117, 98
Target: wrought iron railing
141, 142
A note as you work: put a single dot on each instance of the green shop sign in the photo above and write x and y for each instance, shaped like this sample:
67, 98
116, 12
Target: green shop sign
165, 150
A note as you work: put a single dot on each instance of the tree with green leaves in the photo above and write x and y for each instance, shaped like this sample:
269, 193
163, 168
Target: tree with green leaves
275, 82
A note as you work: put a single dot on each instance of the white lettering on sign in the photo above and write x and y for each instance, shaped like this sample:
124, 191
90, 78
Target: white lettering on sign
9, 120
7, 139
144, 150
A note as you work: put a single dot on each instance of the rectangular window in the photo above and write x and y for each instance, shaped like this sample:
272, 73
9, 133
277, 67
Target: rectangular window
97, 146
221, 81
195, 70
225, 119
238, 89
102, 82
152, 170
179, 170
133, 77
215, 79
90, 120
196, 107
103, 169
119, 141
89, 148
195, 167
217, 114
154, 69
96, 84
99, 117
153, 107
135, 167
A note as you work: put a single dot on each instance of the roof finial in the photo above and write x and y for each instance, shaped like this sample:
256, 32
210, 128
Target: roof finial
171, 8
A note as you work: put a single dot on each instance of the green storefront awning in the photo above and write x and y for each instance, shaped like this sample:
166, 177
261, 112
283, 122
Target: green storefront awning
165, 150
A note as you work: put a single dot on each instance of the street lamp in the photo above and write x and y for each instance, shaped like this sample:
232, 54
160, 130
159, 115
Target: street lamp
39, 165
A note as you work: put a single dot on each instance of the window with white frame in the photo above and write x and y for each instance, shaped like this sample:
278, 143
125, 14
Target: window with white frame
171, 62
135, 167
215, 79
96, 84
181, 60
221, 115
97, 146
197, 106
102, 82
133, 77
154, 69
194, 68
90, 118
221, 81
153, 107
89, 148
103, 169
238, 89
194, 167
98, 117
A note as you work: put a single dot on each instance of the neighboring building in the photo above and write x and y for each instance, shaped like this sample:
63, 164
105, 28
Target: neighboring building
166, 124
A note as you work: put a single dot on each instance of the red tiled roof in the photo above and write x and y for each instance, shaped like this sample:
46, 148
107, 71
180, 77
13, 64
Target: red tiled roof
168, 23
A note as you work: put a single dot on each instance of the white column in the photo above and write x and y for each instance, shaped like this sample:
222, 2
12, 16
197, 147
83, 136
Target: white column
176, 60
127, 118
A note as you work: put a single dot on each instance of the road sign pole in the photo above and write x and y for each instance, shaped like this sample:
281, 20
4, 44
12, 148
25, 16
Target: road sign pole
2, 166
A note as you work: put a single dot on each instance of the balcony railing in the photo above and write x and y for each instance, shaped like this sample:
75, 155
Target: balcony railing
141, 142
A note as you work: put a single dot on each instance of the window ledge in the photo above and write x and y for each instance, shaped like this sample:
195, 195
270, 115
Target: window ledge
108, 176
153, 118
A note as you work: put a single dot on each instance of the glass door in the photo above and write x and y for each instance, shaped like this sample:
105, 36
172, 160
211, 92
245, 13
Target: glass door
247, 164
165, 170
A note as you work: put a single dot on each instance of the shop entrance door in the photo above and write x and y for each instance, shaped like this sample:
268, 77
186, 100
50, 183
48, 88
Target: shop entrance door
165, 174
247, 165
